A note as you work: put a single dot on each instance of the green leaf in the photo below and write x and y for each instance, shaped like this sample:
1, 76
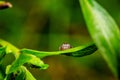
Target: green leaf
28, 75
2, 72
103, 30
17, 63
21, 74
83, 52
26, 58
37, 62
17, 75
75, 52
2, 53
31, 56
9, 48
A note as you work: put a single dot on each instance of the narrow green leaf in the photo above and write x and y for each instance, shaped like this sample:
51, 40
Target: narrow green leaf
75, 52
103, 30
28, 75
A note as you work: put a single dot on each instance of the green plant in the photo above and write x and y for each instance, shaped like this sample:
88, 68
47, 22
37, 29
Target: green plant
104, 32
33, 58
102, 28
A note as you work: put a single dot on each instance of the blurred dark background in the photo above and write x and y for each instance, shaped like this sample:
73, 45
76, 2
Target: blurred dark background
45, 25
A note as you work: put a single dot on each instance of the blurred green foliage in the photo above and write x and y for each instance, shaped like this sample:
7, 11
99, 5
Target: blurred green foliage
45, 25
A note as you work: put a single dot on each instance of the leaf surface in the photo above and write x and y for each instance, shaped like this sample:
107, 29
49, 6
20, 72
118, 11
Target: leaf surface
75, 52
103, 30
